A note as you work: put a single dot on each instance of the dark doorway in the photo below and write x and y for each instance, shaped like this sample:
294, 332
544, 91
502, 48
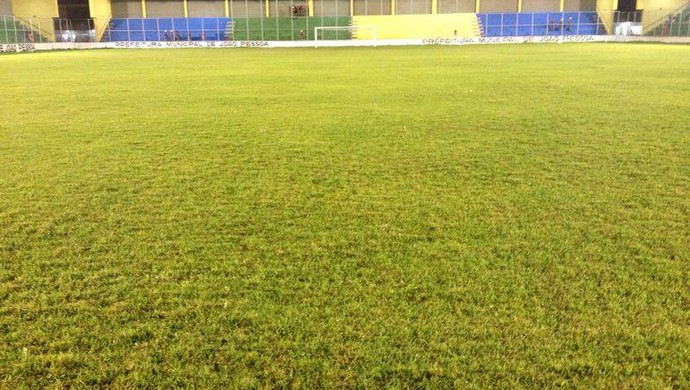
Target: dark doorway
75, 23
627, 5
74, 9
627, 12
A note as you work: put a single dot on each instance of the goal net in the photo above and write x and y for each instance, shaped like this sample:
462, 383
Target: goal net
326, 33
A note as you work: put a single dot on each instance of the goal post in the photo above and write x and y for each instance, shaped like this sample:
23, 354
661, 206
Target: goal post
362, 32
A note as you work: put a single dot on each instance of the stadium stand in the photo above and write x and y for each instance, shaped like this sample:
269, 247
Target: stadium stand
289, 28
389, 27
419, 26
677, 24
168, 29
220, 29
12, 31
540, 23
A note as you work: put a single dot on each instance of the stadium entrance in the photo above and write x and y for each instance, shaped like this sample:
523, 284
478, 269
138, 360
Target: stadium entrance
628, 11
74, 23
627, 5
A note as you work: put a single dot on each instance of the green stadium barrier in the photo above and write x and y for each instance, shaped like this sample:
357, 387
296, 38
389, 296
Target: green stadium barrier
289, 28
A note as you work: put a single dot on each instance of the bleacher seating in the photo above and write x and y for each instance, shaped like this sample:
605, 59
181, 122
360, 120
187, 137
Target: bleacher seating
12, 31
676, 25
289, 28
418, 26
540, 23
195, 29
167, 29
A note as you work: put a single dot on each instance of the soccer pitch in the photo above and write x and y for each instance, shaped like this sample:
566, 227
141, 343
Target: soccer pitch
511, 216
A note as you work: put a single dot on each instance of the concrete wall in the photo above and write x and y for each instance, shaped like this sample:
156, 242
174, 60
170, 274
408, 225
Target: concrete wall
588, 5
417, 26
281, 8
498, 6
541, 5
126, 8
201, 8
656, 5
247, 9
572, 5
606, 5
412, 7
5, 7
332, 8
35, 8
45, 10
455, 6
372, 7
157, 9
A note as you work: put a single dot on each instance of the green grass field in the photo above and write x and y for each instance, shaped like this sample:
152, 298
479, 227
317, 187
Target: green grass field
513, 216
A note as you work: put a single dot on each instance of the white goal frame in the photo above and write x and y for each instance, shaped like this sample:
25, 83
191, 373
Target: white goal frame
351, 29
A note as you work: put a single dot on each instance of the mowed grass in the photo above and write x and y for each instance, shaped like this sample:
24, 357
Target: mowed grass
513, 216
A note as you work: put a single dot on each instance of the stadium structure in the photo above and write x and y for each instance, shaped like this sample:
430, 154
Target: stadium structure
38, 21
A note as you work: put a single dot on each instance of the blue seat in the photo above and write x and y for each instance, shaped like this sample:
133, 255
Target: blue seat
135, 24
510, 19
152, 35
118, 23
508, 31
528, 31
151, 24
165, 24
153, 29
493, 32
214, 23
136, 35
195, 23
541, 18
525, 19
116, 36
180, 24
540, 23
493, 20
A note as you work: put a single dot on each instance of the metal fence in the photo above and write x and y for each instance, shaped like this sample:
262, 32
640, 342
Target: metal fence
223, 29
168, 29
674, 24
29, 30
541, 24
38, 30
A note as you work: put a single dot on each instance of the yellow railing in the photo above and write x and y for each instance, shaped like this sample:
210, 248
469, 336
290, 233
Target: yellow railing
606, 17
103, 29
658, 17
45, 29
